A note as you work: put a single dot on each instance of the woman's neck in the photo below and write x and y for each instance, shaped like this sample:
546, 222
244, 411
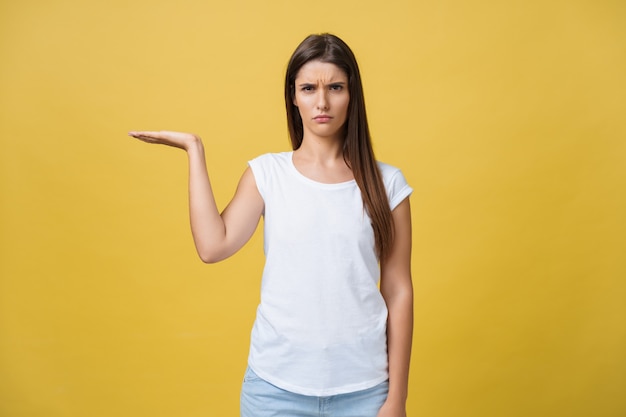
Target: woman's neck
322, 161
321, 150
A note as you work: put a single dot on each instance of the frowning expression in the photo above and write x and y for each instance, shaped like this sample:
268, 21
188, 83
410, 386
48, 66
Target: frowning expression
322, 98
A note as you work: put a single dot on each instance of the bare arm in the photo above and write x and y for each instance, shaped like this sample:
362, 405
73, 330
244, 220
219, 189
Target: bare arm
397, 290
216, 236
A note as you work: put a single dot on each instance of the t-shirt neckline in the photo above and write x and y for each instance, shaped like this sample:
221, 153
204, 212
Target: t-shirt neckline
312, 181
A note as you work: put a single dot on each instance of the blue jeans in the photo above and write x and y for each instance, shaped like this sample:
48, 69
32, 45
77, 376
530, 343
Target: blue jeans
262, 399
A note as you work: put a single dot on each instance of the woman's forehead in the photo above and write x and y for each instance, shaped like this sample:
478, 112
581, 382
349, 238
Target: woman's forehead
320, 71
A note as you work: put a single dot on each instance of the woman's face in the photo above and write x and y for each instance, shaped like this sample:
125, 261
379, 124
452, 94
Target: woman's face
322, 98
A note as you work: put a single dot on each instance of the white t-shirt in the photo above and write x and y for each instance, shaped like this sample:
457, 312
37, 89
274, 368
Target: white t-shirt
320, 328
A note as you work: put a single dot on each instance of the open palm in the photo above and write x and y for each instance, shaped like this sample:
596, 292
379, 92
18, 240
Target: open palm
164, 137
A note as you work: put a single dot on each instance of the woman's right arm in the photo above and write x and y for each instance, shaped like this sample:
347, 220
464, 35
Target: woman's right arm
216, 236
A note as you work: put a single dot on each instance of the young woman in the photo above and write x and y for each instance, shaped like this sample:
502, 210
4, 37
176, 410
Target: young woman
327, 339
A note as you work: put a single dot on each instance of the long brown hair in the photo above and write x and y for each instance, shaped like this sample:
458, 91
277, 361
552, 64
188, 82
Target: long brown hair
357, 145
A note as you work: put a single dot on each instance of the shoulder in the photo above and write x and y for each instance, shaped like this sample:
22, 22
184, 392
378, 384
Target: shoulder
267, 167
395, 184
271, 158
270, 162
388, 172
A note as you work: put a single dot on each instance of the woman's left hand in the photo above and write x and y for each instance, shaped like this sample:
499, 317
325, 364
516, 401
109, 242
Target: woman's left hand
390, 409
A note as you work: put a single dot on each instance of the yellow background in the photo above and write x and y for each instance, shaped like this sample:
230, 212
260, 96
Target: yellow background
507, 118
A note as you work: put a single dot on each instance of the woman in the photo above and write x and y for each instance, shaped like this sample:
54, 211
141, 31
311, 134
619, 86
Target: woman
326, 340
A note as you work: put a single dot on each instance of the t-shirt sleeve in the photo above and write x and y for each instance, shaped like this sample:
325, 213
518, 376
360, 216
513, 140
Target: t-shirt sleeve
396, 185
258, 168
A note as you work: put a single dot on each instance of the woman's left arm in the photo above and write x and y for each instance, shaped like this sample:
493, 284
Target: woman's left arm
397, 290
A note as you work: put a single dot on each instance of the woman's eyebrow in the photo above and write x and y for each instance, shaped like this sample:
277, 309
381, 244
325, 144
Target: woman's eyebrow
302, 84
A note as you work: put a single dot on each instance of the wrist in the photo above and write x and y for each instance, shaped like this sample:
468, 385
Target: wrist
194, 144
397, 397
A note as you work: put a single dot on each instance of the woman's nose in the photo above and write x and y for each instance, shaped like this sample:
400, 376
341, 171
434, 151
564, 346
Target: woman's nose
322, 101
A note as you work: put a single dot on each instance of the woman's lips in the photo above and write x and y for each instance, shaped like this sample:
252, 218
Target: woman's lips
322, 118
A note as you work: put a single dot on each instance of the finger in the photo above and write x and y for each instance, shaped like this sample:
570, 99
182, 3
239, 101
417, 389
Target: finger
151, 134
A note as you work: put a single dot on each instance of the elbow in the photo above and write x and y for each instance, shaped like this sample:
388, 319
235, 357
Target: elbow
209, 259
399, 292
210, 256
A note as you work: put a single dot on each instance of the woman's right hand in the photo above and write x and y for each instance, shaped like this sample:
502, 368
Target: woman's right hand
164, 137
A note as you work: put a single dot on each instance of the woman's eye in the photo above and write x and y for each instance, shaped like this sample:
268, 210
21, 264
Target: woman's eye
336, 87
307, 88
